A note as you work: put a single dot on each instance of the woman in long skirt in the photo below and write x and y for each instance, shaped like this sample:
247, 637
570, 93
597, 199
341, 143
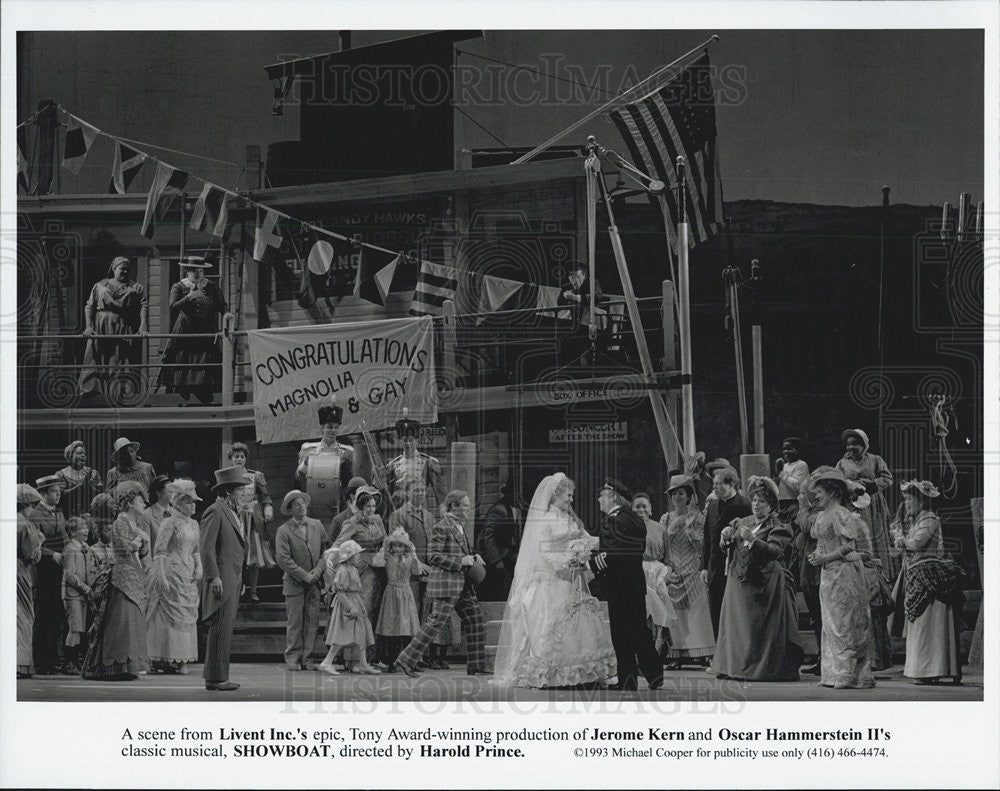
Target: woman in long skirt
29, 552
758, 631
847, 643
691, 637
118, 649
172, 595
931, 588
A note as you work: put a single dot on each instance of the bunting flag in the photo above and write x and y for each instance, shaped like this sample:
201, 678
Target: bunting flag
211, 211
168, 183
128, 163
497, 292
548, 297
375, 273
23, 162
435, 284
79, 139
266, 237
679, 120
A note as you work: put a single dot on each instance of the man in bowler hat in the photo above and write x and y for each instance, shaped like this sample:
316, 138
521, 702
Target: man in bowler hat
223, 554
618, 563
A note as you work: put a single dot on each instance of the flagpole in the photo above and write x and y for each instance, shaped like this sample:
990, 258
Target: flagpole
621, 97
687, 391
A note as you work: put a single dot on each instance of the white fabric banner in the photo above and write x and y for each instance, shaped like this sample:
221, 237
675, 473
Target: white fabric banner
371, 369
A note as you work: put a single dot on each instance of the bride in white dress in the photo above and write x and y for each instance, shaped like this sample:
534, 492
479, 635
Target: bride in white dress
554, 633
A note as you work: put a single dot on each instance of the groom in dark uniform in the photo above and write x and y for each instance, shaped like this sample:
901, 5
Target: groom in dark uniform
618, 562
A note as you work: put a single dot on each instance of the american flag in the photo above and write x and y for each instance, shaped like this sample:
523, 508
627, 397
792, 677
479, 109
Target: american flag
435, 284
678, 119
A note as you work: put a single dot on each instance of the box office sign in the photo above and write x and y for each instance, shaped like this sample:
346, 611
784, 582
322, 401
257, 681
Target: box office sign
372, 370
600, 432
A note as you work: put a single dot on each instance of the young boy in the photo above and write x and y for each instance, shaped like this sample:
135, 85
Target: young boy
77, 575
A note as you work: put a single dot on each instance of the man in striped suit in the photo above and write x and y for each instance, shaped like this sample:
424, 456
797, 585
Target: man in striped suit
223, 555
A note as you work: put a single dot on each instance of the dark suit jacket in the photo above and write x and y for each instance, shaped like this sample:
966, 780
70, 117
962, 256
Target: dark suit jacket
719, 515
623, 538
299, 556
499, 537
223, 553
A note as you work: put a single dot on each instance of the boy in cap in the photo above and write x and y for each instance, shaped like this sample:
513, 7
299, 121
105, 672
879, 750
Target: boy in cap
76, 581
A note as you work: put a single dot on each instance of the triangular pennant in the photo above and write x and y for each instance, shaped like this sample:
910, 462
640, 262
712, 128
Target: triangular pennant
211, 211
495, 293
79, 139
266, 237
385, 276
373, 263
167, 185
548, 297
128, 163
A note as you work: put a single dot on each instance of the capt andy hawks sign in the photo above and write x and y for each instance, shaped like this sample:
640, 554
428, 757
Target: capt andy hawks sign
371, 369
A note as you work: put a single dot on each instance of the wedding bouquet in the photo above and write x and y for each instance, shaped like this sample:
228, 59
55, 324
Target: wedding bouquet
580, 550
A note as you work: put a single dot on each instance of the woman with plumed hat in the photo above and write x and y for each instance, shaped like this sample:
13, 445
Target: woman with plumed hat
870, 469
256, 509
116, 306
172, 592
80, 482
691, 637
196, 305
758, 629
118, 650
932, 591
29, 552
847, 646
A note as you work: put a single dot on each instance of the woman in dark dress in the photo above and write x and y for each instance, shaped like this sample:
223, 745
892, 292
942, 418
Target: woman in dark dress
118, 649
116, 306
758, 633
80, 482
196, 304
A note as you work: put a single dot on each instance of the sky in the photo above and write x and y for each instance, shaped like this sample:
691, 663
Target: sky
820, 116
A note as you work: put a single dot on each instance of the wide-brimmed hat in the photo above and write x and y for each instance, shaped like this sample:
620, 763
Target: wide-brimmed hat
70, 449
926, 488
286, 503
717, 464
398, 536
762, 482
48, 481
122, 442
348, 550
680, 482
194, 262
183, 488
229, 477
826, 473
366, 489
331, 413
855, 432
617, 487
27, 494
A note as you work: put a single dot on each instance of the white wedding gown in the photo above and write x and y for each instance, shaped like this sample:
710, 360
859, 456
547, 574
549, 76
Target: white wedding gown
554, 631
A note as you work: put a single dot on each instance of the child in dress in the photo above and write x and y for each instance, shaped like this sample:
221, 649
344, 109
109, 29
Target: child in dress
398, 620
349, 624
77, 575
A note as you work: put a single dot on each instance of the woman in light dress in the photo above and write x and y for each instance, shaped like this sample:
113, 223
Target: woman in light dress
172, 593
554, 633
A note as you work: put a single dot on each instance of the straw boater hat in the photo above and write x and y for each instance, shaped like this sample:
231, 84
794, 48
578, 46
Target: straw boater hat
48, 481
194, 262
926, 488
680, 482
855, 432
70, 449
229, 477
286, 503
348, 550
27, 494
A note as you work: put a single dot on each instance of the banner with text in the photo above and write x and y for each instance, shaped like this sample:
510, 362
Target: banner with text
371, 369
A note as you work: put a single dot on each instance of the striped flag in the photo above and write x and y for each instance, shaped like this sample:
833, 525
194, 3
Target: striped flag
435, 284
79, 139
168, 183
128, 163
211, 211
678, 119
